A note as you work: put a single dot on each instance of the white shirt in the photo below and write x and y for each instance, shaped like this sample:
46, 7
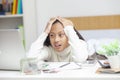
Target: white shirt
77, 51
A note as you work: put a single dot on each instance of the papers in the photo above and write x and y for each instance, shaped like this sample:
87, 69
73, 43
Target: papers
61, 66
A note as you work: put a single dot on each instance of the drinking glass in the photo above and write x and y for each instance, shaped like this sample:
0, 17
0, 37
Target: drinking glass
29, 66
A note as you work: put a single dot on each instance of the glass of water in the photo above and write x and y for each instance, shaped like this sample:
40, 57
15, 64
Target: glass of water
29, 66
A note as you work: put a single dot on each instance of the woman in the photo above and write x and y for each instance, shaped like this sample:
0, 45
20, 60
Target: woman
60, 42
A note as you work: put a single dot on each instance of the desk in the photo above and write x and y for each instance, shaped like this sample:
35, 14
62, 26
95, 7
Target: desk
86, 73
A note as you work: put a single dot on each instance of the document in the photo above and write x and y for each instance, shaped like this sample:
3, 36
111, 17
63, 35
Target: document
60, 66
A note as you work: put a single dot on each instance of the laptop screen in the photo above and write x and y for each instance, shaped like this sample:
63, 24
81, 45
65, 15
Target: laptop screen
11, 49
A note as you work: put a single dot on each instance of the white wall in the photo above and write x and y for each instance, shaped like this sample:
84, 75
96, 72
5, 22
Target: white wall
65, 8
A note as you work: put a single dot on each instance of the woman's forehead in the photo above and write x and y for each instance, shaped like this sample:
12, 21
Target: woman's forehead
57, 27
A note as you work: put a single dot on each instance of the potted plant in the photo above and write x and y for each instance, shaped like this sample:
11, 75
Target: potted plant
112, 52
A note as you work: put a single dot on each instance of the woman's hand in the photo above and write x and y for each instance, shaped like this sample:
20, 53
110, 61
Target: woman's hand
49, 25
65, 22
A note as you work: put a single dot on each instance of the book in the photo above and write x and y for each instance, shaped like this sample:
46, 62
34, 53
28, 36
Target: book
19, 8
2, 12
15, 3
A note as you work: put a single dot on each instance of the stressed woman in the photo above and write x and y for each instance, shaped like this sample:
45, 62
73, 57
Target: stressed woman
60, 42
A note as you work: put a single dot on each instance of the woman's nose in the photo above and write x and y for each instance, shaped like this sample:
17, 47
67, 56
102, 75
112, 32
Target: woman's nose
57, 38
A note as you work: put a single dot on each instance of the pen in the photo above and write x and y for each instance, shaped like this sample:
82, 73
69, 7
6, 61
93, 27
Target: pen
77, 64
64, 65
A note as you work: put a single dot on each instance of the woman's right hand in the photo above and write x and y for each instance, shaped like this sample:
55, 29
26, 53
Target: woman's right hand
49, 25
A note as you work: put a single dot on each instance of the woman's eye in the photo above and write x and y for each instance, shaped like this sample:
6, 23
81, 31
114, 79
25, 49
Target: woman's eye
51, 35
61, 35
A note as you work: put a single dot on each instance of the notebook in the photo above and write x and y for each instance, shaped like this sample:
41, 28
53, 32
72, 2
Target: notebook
11, 49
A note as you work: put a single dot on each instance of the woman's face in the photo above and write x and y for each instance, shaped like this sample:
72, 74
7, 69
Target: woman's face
58, 39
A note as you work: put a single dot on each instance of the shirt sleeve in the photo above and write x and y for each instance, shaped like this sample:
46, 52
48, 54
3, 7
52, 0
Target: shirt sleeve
79, 47
37, 49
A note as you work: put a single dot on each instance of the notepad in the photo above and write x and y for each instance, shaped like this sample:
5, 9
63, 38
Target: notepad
108, 70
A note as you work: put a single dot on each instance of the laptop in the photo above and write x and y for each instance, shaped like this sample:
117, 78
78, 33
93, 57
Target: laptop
11, 49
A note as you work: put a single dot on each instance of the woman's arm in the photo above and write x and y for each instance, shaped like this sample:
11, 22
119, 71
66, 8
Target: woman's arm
37, 49
79, 47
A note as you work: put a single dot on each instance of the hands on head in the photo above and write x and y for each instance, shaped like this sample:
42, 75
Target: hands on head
64, 21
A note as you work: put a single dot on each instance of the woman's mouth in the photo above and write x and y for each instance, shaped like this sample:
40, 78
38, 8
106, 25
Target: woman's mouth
58, 45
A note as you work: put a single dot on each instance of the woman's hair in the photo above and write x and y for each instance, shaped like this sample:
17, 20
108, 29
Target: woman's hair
47, 41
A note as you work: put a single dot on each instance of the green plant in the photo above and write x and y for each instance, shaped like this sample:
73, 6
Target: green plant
112, 49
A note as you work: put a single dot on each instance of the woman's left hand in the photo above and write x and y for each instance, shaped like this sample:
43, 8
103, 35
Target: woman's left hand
65, 22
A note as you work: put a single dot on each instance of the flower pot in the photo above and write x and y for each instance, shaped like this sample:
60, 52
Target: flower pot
114, 61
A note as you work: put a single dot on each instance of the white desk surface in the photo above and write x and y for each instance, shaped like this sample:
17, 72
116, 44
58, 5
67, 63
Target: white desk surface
86, 73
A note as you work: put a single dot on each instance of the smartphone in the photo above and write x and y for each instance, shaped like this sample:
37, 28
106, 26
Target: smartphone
103, 65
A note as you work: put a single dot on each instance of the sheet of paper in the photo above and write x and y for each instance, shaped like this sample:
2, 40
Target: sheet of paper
61, 66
